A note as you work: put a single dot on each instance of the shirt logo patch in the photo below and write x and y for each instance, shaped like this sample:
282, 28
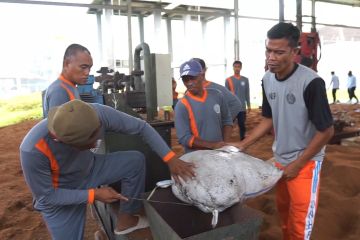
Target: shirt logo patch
272, 95
290, 98
217, 108
242, 83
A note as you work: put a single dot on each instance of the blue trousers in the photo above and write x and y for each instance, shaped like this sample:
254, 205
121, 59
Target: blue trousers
68, 222
241, 118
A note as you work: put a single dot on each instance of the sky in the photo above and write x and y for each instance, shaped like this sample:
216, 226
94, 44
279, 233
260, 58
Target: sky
34, 39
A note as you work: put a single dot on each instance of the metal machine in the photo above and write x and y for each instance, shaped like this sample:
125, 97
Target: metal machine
140, 94
308, 54
147, 89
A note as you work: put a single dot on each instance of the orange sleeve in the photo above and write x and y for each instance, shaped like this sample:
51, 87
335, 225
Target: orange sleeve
91, 196
168, 156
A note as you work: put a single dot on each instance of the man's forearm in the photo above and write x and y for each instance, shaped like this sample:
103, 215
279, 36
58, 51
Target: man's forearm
260, 130
227, 130
203, 144
319, 141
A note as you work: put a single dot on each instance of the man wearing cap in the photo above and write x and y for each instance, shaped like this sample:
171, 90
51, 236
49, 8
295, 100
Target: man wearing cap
232, 101
202, 117
77, 63
63, 174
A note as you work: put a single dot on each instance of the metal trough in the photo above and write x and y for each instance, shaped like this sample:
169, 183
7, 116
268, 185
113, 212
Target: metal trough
175, 222
156, 170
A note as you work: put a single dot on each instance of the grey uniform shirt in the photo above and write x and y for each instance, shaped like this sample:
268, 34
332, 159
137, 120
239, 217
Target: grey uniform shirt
241, 89
201, 117
232, 101
72, 165
298, 107
59, 92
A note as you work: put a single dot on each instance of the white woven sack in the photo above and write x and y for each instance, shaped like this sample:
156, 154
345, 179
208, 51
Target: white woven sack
224, 178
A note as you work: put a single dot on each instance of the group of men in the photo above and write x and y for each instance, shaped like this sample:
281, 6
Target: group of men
64, 175
351, 86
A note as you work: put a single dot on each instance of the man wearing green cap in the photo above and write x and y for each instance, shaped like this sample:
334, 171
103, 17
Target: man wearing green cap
63, 174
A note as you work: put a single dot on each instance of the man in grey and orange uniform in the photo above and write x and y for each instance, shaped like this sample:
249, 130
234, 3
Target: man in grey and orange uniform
239, 86
63, 174
77, 63
202, 117
295, 105
231, 100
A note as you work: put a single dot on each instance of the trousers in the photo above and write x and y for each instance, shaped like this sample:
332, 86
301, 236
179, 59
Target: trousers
68, 222
297, 201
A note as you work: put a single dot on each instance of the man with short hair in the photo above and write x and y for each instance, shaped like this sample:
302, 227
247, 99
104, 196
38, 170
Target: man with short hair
351, 84
202, 117
77, 64
239, 86
175, 94
63, 174
335, 85
232, 101
296, 107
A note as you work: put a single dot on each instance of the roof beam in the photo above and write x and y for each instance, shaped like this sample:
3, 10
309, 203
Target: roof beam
353, 3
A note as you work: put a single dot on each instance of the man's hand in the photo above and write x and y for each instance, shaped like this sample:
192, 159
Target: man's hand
239, 145
292, 170
217, 145
180, 169
108, 195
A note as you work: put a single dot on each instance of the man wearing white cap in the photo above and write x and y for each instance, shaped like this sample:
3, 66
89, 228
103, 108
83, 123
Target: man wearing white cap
63, 174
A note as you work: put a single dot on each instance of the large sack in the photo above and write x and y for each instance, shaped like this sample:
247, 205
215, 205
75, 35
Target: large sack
224, 178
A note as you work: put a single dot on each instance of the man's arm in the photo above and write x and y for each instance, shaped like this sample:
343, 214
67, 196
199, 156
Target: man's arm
202, 144
227, 84
248, 95
227, 131
185, 134
38, 176
260, 130
54, 98
226, 119
116, 121
320, 115
320, 139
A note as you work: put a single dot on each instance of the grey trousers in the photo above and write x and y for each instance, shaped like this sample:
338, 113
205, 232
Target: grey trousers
68, 221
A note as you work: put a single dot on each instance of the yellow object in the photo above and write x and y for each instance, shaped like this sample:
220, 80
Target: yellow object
167, 108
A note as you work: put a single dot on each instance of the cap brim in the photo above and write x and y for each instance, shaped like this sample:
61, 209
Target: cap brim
50, 118
191, 73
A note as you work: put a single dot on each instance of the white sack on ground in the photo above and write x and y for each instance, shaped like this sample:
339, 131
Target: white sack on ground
225, 178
